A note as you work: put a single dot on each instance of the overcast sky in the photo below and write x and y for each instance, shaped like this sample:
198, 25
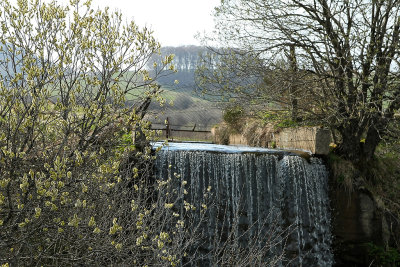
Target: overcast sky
175, 22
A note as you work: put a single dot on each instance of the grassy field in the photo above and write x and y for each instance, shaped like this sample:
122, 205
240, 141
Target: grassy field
185, 110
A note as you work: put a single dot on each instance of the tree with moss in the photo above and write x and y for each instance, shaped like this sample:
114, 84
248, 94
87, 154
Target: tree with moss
335, 63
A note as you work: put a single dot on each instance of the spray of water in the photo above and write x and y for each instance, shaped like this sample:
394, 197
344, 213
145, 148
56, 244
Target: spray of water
266, 201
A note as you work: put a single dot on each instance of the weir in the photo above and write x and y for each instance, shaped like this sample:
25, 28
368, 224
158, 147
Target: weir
270, 206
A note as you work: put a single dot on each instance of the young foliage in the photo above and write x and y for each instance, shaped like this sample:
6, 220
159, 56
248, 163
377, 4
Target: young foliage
66, 189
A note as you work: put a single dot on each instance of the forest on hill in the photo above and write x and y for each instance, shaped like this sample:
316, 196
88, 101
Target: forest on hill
186, 59
185, 107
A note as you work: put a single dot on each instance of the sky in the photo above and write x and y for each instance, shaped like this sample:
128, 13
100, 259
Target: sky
174, 22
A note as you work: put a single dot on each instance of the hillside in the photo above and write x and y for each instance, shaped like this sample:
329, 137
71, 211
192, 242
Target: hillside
188, 108
184, 110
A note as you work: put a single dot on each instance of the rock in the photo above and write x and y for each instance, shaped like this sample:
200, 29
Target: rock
357, 221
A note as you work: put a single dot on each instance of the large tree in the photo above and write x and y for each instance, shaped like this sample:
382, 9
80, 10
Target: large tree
342, 61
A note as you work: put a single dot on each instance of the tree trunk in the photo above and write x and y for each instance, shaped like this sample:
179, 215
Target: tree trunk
293, 84
350, 147
360, 153
371, 142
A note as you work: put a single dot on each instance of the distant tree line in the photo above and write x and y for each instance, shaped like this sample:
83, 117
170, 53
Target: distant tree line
185, 62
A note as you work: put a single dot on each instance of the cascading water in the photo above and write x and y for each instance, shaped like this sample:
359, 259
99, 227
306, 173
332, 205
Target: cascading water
270, 205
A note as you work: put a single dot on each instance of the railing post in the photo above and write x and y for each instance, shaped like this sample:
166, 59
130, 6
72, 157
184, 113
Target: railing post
167, 128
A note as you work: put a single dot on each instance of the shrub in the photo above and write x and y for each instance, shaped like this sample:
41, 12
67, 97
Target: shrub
70, 178
233, 114
382, 256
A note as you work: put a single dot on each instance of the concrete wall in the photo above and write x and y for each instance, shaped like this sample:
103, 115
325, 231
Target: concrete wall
237, 139
313, 139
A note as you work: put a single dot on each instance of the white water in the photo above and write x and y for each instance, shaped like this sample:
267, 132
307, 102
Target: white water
261, 196
194, 146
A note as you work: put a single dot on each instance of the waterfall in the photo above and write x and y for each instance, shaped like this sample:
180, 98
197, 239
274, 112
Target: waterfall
272, 205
